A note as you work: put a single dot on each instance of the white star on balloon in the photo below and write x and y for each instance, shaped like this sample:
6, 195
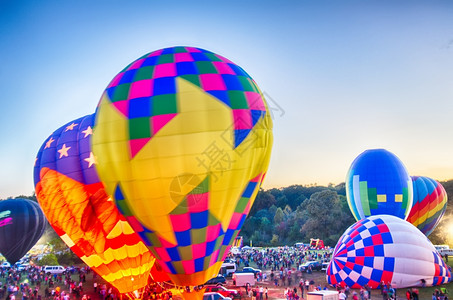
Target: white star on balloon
49, 142
91, 160
71, 127
64, 151
88, 131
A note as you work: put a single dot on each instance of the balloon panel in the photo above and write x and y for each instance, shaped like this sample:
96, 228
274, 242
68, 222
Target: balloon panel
430, 203
378, 183
22, 224
82, 213
201, 242
179, 135
389, 249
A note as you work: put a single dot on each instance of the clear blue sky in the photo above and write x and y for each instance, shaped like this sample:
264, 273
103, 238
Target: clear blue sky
343, 76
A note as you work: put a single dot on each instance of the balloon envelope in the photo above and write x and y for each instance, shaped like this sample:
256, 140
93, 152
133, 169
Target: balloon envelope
82, 213
389, 249
430, 203
378, 183
22, 224
183, 140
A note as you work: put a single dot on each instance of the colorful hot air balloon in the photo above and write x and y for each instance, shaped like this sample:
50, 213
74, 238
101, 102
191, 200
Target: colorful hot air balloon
389, 249
430, 203
22, 224
183, 140
81, 212
378, 183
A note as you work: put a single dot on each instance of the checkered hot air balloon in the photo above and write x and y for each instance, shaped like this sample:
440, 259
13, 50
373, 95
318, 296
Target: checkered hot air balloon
378, 183
385, 248
183, 140
81, 212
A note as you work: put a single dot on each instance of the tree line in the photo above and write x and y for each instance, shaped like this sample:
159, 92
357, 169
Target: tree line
297, 213
288, 215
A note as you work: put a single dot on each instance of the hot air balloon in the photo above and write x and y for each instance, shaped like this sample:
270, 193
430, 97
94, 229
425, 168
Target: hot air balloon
82, 213
430, 203
183, 139
378, 183
384, 248
22, 224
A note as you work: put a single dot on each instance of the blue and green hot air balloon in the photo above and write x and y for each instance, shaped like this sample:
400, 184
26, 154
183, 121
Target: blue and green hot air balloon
378, 183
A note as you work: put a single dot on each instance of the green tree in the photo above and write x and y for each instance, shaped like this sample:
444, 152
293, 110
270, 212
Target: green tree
263, 200
48, 260
287, 211
68, 258
279, 216
325, 217
295, 195
443, 234
32, 197
274, 240
296, 220
280, 198
57, 244
257, 238
272, 211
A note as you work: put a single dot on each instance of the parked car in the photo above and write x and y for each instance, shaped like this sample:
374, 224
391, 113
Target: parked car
6, 265
220, 279
215, 296
53, 270
20, 267
315, 265
251, 270
222, 290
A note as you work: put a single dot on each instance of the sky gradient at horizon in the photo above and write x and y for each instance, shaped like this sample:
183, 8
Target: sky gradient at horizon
340, 77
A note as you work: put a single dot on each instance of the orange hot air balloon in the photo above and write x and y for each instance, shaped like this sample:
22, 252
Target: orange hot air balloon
82, 213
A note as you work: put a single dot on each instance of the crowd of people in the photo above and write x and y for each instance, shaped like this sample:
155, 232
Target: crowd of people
281, 265
287, 257
34, 284
280, 268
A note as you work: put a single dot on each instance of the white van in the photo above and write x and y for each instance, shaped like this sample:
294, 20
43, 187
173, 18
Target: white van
53, 269
227, 269
242, 279
449, 252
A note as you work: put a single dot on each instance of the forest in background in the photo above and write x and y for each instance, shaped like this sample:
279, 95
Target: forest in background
296, 213
288, 215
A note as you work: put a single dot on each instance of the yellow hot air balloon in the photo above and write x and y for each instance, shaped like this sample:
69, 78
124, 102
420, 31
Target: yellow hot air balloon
183, 140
